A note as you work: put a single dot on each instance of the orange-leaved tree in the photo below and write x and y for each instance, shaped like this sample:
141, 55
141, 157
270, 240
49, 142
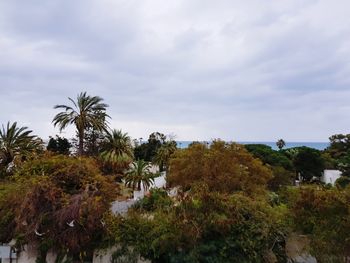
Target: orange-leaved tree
223, 167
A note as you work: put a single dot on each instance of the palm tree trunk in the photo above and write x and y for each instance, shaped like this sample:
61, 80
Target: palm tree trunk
81, 143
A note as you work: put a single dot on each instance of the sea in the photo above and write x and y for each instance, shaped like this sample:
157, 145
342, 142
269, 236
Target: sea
315, 145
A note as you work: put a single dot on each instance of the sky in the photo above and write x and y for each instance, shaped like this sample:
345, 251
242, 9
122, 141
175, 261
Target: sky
237, 70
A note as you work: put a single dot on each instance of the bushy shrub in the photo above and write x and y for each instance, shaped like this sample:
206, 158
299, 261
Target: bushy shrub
157, 198
324, 215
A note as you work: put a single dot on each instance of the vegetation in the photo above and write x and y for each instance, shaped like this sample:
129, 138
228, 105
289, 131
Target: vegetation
229, 202
116, 151
62, 202
163, 154
16, 145
268, 156
139, 174
280, 144
323, 215
59, 145
205, 226
308, 163
147, 151
223, 167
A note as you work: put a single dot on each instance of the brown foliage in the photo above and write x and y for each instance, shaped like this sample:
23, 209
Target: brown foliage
65, 203
224, 167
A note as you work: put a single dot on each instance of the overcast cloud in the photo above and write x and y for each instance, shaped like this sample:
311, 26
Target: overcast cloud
238, 70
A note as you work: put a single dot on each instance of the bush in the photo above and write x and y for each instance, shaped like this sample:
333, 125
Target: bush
157, 198
342, 182
324, 215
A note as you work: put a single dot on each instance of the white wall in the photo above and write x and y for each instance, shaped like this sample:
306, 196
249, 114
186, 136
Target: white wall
159, 182
330, 176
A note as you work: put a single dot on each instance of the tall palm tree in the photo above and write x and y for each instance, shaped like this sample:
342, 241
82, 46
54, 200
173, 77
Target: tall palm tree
86, 112
163, 155
117, 150
16, 141
139, 174
280, 144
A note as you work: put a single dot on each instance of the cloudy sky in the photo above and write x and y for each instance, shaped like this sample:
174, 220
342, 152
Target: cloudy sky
238, 70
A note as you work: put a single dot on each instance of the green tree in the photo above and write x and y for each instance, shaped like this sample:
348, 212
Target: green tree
339, 145
280, 144
147, 151
117, 151
309, 163
269, 156
16, 142
86, 112
163, 155
59, 145
139, 174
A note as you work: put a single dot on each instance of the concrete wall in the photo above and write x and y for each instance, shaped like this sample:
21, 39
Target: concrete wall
159, 182
29, 255
330, 176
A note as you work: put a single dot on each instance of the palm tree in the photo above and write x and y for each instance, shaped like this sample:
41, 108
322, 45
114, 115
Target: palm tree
16, 141
280, 144
139, 173
117, 150
86, 112
164, 153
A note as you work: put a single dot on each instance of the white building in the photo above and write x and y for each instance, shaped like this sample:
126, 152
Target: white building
330, 176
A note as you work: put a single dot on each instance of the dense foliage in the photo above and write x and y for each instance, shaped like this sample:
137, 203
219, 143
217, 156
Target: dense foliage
204, 227
61, 206
324, 215
148, 151
59, 145
17, 144
308, 163
269, 156
223, 167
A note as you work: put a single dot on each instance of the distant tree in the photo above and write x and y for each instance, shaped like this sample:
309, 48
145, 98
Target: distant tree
163, 155
339, 145
147, 151
139, 174
116, 151
87, 112
93, 141
269, 156
16, 142
280, 144
59, 145
309, 163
